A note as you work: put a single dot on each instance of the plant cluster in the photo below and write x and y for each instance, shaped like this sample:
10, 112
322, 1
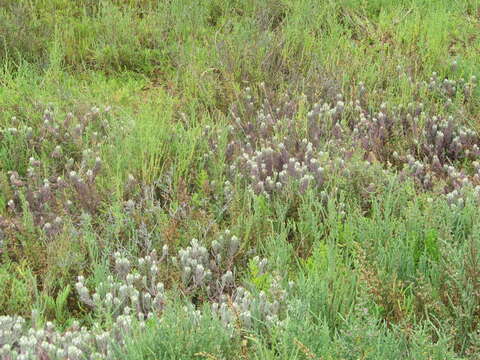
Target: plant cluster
273, 143
59, 179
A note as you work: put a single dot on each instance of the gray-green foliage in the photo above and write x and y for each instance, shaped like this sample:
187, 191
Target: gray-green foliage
324, 154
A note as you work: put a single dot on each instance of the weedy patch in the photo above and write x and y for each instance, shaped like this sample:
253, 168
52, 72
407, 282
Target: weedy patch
287, 180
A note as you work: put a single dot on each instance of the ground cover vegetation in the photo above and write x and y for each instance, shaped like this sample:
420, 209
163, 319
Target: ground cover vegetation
225, 179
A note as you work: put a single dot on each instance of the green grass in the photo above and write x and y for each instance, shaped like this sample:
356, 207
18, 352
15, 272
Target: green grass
393, 274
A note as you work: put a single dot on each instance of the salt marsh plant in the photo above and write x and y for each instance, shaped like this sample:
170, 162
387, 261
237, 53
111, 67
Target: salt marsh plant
294, 180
